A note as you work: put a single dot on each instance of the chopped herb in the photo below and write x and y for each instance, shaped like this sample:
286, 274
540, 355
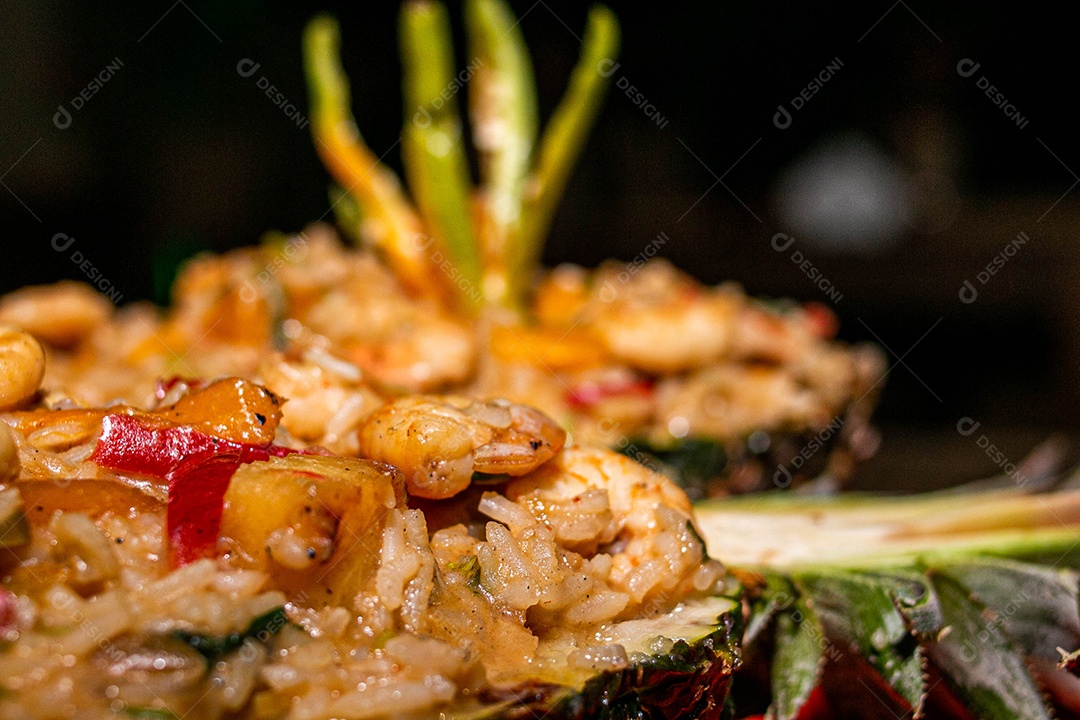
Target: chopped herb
145, 713
213, 648
470, 567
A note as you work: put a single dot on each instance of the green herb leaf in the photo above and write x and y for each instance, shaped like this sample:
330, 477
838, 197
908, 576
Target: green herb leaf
470, 568
984, 668
146, 713
778, 592
564, 137
347, 212
432, 149
502, 109
354, 166
213, 648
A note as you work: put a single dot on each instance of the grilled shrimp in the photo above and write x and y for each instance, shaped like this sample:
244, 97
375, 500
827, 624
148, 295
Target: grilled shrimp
440, 441
327, 398
660, 320
60, 315
399, 340
633, 522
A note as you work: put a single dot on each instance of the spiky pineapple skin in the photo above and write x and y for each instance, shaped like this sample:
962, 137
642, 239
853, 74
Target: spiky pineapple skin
691, 680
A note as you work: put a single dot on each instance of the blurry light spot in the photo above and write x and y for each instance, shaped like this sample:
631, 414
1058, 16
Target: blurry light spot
758, 442
846, 195
678, 426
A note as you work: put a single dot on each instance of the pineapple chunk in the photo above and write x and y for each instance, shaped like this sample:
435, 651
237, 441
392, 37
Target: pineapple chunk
313, 523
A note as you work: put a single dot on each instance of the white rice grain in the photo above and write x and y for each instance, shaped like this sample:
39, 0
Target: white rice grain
507, 512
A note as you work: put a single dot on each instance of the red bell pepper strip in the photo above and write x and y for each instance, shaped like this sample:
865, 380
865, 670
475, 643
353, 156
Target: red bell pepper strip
196, 490
816, 707
822, 320
148, 446
7, 612
587, 394
197, 466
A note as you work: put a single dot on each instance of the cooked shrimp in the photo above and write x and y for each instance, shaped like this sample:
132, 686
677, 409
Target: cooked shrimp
764, 334
60, 314
440, 441
223, 299
633, 522
400, 342
660, 320
327, 398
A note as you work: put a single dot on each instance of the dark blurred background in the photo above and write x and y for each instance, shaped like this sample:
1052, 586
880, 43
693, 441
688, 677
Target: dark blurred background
868, 133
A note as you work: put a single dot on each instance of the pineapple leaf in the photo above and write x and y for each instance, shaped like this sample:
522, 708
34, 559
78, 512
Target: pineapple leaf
916, 601
983, 668
858, 610
964, 591
1035, 606
798, 658
770, 593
